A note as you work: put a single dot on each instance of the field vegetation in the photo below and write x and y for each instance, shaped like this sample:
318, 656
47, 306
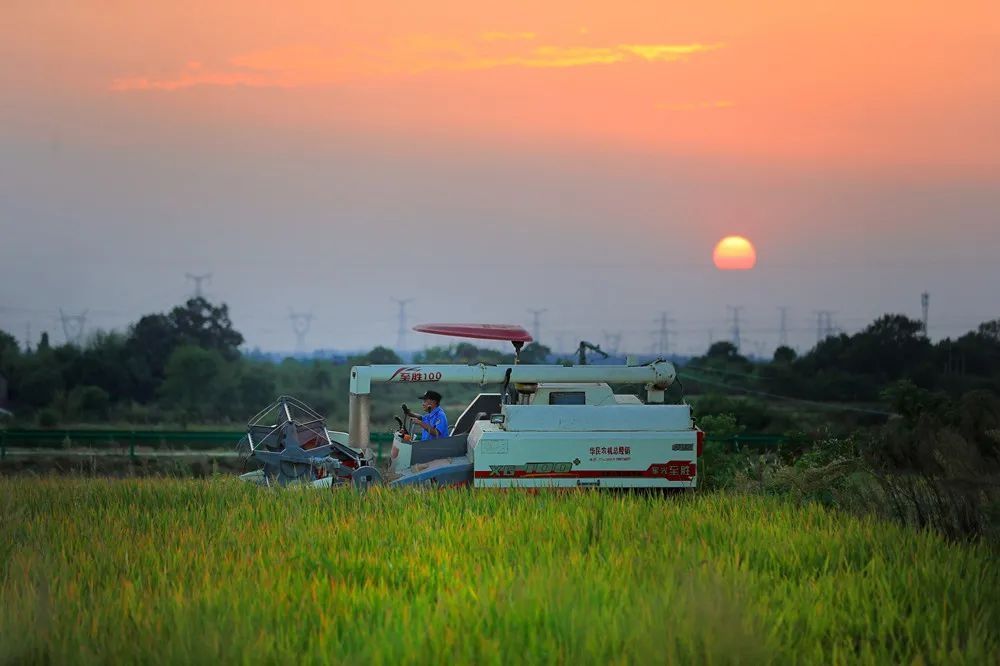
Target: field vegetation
185, 571
189, 367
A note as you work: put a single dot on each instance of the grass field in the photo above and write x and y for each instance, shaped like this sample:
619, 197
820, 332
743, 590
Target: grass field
195, 571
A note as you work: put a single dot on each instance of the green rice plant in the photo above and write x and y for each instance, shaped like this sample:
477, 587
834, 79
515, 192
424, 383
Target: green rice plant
198, 571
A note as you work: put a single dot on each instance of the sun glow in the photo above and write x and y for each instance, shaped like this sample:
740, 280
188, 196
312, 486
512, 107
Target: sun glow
734, 253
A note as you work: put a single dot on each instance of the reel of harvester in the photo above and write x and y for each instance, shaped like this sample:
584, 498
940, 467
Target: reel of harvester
294, 446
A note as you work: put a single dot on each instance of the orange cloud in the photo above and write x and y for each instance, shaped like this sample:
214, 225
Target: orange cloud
558, 56
507, 36
667, 52
304, 65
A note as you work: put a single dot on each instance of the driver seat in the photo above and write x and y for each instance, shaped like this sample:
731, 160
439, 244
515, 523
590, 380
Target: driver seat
441, 447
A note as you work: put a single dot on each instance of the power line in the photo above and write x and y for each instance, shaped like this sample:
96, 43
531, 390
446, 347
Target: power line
401, 333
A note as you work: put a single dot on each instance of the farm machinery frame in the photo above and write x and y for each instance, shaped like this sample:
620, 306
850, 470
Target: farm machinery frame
547, 426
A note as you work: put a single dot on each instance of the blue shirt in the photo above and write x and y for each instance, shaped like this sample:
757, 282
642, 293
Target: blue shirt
437, 420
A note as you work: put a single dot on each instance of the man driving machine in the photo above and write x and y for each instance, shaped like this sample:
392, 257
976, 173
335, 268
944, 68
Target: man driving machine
434, 422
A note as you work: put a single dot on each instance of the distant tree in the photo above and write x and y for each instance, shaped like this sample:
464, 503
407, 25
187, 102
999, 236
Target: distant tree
197, 382
990, 330
779, 376
257, 385
102, 362
535, 353
724, 350
204, 325
463, 352
8, 344
889, 346
89, 402
154, 338
784, 355
38, 380
319, 376
10, 352
151, 341
378, 356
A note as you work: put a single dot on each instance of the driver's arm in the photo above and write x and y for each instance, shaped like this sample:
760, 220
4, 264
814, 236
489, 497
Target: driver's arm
429, 428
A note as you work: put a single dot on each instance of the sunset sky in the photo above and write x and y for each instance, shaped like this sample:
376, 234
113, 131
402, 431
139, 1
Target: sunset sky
579, 157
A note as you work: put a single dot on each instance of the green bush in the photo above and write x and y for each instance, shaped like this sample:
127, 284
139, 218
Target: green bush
750, 414
47, 418
89, 402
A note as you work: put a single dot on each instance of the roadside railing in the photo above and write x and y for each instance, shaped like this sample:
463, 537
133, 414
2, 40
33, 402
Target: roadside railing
134, 443
137, 443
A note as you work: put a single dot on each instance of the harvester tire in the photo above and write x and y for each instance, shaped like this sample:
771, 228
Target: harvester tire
364, 477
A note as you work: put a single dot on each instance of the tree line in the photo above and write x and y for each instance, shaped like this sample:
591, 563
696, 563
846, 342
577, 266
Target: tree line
185, 366
859, 367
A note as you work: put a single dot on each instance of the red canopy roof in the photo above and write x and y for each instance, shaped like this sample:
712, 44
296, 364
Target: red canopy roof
509, 332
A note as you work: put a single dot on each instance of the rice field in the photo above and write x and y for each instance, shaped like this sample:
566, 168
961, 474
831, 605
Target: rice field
196, 571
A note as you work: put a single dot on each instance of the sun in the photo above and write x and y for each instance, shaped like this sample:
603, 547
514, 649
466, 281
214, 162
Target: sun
734, 253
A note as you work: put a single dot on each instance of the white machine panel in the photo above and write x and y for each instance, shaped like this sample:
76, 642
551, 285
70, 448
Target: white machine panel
585, 459
606, 418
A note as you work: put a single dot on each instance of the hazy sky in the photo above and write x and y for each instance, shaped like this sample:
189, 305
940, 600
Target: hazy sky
326, 157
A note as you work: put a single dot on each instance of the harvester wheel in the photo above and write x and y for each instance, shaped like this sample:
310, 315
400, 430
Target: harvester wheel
364, 477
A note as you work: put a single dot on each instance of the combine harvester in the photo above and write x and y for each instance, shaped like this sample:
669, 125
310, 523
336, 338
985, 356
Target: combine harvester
548, 426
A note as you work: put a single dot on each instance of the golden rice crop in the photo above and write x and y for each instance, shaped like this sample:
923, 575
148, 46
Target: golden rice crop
182, 571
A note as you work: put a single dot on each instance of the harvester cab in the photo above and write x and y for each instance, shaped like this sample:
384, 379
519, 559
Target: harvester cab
548, 426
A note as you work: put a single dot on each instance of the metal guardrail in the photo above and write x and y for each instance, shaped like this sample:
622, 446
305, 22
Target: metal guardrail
208, 440
185, 440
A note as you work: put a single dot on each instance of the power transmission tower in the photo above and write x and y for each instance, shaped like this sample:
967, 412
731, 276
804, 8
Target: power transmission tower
301, 321
783, 327
662, 346
198, 281
925, 306
401, 333
536, 324
73, 326
824, 325
27, 337
735, 310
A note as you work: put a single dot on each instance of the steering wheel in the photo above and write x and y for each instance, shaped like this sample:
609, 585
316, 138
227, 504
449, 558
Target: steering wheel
402, 421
